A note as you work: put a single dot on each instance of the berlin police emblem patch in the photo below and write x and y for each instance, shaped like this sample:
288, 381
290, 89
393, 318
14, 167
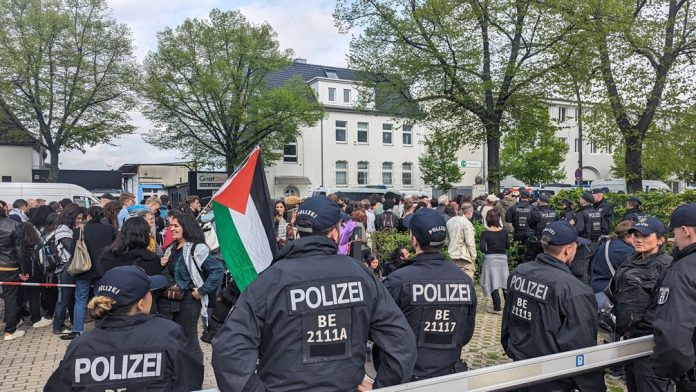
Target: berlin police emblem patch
663, 295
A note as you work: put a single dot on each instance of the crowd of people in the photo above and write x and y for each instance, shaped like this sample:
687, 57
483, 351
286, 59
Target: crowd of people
580, 269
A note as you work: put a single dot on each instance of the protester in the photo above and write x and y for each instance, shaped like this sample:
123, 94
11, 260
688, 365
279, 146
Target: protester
494, 243
149, 217
399, 256
372, 263
194, 203
125, 200
145, 351
32, 272
10, 251
18, 211
189, 267
131, 248
105, 198
280, 223
461, 240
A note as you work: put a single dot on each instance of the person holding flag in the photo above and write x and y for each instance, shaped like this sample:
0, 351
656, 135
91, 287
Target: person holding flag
304, 322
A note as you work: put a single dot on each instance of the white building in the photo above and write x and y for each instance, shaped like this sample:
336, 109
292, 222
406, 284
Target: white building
349, 147
18, 156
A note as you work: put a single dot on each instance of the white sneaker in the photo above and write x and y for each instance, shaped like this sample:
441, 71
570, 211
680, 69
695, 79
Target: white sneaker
12, 336
44, 322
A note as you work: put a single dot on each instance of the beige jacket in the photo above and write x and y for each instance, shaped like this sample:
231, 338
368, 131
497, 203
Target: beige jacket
461, 239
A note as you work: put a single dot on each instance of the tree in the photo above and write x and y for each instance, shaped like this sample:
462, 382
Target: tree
645, 53
439, 162
531, 151
459, 59
65, 69
207, 86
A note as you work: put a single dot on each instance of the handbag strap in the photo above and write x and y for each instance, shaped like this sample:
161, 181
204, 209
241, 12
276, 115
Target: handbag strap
606, 257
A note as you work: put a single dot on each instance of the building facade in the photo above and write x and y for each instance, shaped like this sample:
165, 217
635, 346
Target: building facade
351, 146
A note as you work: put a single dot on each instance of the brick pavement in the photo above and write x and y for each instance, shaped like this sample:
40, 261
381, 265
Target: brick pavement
26, 363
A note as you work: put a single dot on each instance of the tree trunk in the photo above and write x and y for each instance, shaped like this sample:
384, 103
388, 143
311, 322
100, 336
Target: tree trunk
493, 148
229, 165
53, 169
634, 163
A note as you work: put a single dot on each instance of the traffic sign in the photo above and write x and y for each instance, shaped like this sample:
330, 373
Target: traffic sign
464, 164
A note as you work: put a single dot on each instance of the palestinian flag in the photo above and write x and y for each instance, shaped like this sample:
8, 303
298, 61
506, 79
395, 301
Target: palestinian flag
243, 221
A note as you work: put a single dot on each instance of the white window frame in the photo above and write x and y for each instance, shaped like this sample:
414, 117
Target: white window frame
594, 149
390, 131
562, 113
409, 172
292, 143
363, 170
407, 130
331, 73
366, 130
345, 131
332, 94
346, 91
389, 171
577, 144
343, 170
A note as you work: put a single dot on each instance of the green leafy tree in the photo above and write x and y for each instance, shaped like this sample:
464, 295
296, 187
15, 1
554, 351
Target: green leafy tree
531, 151
459, 60
208, 87
65, 73
439, 161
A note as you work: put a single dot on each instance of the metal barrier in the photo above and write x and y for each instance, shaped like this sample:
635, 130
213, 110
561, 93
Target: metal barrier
518, 374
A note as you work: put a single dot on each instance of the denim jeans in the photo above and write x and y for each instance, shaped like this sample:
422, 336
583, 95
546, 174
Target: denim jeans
64, 296
82, 287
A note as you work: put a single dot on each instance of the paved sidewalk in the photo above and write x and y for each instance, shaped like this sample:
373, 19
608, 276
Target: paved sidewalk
27, 363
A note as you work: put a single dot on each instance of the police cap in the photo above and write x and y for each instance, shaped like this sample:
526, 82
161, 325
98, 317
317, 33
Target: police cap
428, 226
648, 226
684, 215
635, 199
525, 193
544, 197
561, 233
127, 284
587, 196
316, 214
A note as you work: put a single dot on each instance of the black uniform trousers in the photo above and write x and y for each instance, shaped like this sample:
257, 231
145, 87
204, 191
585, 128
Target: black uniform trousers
10, 293
582, 263
640, 377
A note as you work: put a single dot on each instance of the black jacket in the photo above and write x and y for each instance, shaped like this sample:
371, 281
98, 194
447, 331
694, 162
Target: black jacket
588, 222
97, 237
607, 212
439, 302
10, 246
153, 350
633, 289
569, 215
635, 215
306, 319
543, 215
675, 318
143, 258
548, 311
522, 216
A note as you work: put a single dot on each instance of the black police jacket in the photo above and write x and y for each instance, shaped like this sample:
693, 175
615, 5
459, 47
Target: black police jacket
306, 319
10, 246
635, 215
569, 215
675, 318
547, 311
439, 302
542, 217
607, 212
588, 223
521, 215
134, 353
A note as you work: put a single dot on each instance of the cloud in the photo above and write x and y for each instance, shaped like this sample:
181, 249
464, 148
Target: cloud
305, 26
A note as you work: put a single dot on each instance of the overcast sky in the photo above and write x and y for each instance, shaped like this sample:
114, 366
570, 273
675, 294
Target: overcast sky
306, 26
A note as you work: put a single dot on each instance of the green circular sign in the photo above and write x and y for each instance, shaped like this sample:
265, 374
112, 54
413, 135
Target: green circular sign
462, 164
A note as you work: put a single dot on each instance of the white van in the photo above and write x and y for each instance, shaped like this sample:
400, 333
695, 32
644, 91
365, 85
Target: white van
354, 194
11, 191
618, 185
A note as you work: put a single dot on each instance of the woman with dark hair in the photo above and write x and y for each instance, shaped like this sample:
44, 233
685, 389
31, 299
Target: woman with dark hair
70, 218
372, 263
279, 223
189, 268
494, 243
130, 248
110, 213
31, 271
97, 236
39, 218
399, 256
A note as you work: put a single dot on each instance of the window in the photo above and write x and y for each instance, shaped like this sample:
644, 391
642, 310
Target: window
291, 190
346, 95
593, 147
290, 152
407, 135
406, 173
331, 74
609, 149
563, 139
362, 172
6, 178
561, 114
332, 94
341, 131
341, 173
577, 144
386, 134
387, 168
363, 132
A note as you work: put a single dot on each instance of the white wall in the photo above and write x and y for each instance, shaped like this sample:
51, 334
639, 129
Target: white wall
16, 162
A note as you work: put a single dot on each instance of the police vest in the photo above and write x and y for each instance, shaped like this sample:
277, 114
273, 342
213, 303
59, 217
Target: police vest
441, 303
522, 217
546, 216
593, 223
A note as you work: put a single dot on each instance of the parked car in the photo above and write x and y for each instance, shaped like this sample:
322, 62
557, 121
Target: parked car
618, 185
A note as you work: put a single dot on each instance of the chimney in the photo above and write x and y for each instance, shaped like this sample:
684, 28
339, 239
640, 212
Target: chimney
300, 60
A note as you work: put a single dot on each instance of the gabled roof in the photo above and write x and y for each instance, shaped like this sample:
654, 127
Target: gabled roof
308, 72
11, 133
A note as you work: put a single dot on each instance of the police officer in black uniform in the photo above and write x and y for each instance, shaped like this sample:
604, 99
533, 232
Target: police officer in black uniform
588, 223
568, 215
675, 317
635, 210
522, 215
543, 216
605, 209
303, 323
437, 298
548, 311
129, 349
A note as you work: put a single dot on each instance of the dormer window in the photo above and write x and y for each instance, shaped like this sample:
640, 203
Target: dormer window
331, 74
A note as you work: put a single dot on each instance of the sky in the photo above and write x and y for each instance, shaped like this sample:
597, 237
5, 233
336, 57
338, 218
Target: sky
305, 26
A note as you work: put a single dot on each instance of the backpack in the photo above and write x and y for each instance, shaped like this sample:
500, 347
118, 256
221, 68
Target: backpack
48, 252
388, 221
